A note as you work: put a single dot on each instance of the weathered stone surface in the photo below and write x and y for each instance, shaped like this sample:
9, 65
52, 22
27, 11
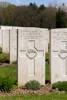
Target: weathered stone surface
58, 55
6, 38
14, 27
6, 27
31, 55
13, 45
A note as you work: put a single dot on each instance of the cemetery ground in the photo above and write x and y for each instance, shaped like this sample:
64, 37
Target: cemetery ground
36, 97
10, 71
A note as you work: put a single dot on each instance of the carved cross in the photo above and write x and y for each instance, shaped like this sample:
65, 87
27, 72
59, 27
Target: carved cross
32, 52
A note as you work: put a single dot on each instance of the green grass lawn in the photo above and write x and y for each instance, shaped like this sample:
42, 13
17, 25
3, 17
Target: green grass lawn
36, 97
9, 71
47, 73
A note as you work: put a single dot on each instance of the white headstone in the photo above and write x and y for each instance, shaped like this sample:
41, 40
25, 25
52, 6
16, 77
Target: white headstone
6, 38
17, 27
58, 55
31, 55
13, 45
14, 27
1, 38
6, 27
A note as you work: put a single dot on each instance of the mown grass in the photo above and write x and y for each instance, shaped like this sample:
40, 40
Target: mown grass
36, 97
9, 71
47, 73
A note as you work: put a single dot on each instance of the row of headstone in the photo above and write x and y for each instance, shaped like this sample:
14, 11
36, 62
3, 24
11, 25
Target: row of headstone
8, 40
29, 45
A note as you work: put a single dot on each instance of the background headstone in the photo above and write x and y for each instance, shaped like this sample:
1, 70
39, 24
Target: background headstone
6, 42
31, 55
14, 27
6, 27
58, 55
13, 45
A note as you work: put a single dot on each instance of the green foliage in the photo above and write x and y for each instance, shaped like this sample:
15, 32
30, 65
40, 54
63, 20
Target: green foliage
8, 77
47, 54
47, 69
33, 16
0, 50
4, 58
14, 62
47, 73
9, 70
47, 58
62, 86
5, 84
34, 85
29, 16
61, 19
